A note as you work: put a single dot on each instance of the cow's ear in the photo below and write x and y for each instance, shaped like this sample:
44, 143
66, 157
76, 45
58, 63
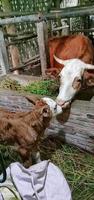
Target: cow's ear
90, 82
88, 78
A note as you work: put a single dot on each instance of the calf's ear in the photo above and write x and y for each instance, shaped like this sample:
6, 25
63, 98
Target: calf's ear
32, 99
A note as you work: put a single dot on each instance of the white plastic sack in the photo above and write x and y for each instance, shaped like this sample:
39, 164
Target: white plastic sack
43, 181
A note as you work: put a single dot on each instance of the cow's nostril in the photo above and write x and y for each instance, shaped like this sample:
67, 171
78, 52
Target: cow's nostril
60, 102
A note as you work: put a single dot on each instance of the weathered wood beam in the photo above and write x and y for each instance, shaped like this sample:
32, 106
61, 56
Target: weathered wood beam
21, 19
26, 17
71, 12
33, 62
18, 13
25, 65
78, 127
4, 64
83, 30
24, 37
13, 14
42, 46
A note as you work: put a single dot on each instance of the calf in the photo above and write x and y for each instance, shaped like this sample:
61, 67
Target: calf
24, 131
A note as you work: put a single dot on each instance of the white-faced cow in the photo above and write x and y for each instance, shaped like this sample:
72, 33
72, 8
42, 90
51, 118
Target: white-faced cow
71, 77
71, 57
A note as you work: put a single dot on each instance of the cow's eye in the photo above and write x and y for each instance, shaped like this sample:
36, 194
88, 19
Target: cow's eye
58, 76
55, 108
77, 83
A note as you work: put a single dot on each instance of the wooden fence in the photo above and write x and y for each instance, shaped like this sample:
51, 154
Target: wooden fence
40, 21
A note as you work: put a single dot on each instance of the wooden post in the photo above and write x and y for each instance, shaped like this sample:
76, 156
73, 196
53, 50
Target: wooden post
42, 42
46, 43
3, 55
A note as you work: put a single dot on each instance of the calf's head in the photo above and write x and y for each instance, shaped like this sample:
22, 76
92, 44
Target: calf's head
54, 108
71, 77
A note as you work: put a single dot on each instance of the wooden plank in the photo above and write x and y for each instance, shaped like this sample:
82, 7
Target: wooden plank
3, 55
61, 13
46, 43
14, 14
92, 100
71, 12
78, 130
17, 13
42, 46
21, 19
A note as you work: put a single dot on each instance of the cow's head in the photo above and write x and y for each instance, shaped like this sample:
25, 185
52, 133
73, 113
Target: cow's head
70, 79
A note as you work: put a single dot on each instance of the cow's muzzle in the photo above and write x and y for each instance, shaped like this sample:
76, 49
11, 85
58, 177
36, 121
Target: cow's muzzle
63, 104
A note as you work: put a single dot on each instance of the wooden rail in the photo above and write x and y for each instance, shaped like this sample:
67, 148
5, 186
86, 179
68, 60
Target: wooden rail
61, 13
17, 17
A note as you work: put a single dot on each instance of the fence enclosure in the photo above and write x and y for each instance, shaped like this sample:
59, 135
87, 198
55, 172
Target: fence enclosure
24, 47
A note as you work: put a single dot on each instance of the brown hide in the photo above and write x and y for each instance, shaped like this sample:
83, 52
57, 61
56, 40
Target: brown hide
24, 130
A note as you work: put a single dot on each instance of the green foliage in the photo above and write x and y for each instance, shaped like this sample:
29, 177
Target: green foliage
47, 87
86, 2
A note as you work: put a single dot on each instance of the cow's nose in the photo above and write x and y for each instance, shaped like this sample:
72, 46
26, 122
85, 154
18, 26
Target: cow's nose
60, 102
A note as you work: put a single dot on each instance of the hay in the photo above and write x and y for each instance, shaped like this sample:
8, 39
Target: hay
78, 166
8, 83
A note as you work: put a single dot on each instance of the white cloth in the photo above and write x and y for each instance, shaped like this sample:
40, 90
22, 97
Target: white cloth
43, 181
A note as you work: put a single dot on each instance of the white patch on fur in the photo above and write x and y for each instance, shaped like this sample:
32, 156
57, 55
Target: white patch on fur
56, 109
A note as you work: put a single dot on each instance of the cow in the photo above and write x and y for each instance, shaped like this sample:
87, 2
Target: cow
72, 57
69, 47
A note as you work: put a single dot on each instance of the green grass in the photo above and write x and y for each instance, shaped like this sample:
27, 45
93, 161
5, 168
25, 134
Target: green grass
46, 87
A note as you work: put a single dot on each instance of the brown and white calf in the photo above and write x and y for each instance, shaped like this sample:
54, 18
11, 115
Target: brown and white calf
24, 130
